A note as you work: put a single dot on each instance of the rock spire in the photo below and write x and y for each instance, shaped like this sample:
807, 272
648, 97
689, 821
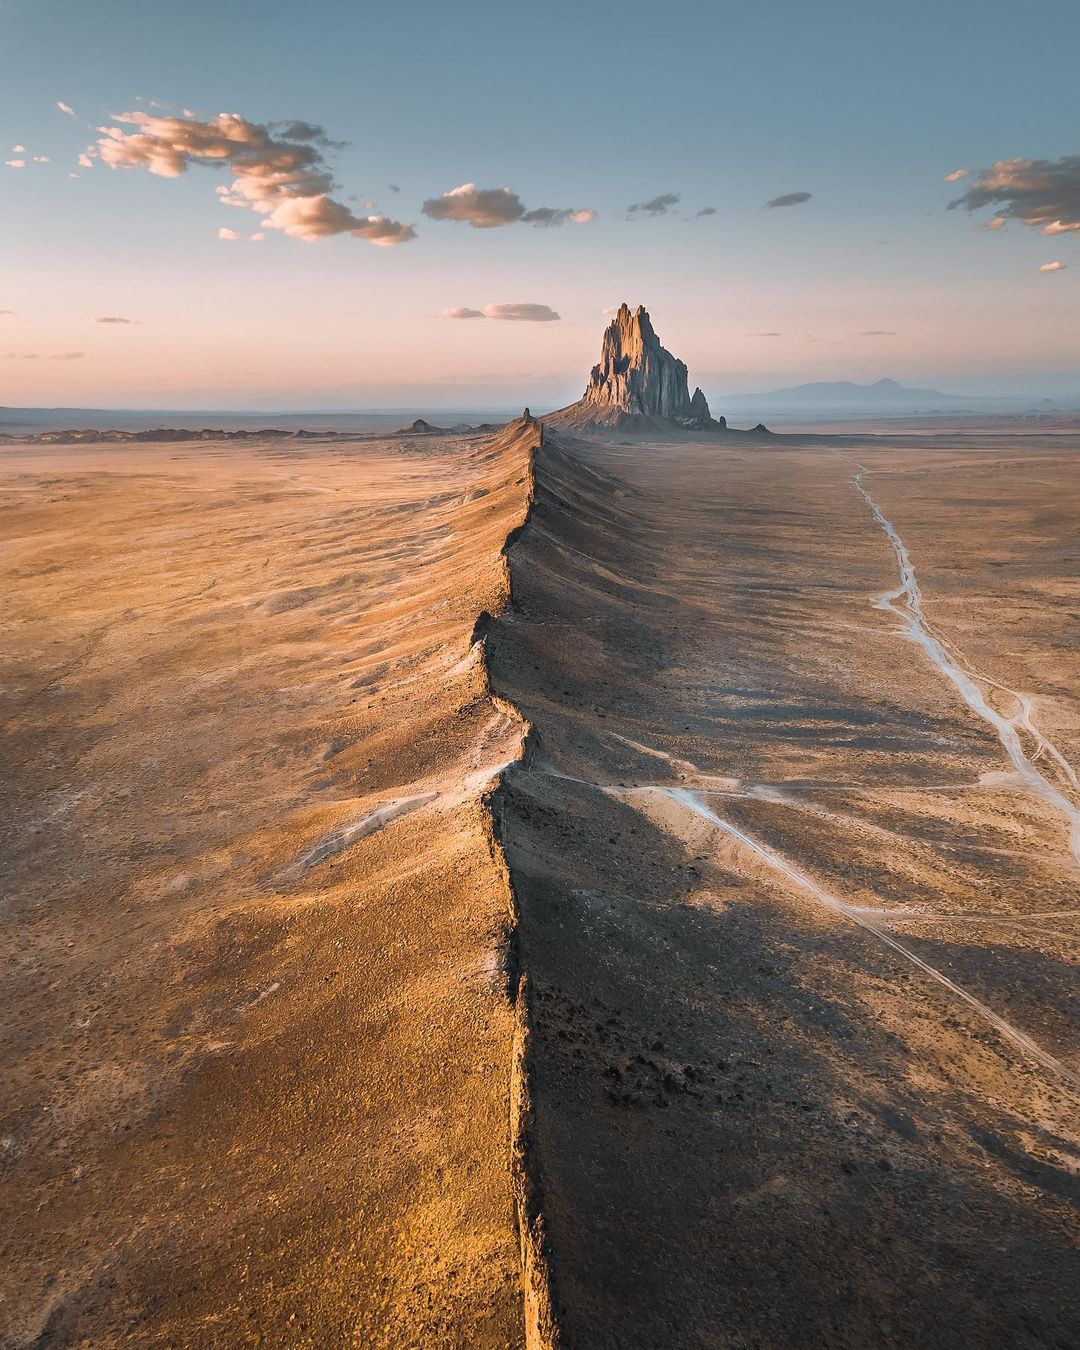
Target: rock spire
636, 374
637, 383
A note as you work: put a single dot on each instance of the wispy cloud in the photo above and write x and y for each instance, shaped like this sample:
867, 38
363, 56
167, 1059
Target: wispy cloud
1053, 267
492, 208
279, 169
655, 206
706, 211
227, 234
65, 107
15, 163
36, 356
6, 313
522, 313
788, 199
1042, 193
112, 318
956, 175
766, 335
878, 332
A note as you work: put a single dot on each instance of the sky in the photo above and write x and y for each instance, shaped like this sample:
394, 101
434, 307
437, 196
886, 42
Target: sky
399, 199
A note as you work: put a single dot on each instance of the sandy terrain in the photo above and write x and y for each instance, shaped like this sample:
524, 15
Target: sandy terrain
256, 1033
799, 935
770, 1036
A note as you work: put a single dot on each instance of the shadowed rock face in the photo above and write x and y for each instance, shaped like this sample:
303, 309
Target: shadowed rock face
636, 374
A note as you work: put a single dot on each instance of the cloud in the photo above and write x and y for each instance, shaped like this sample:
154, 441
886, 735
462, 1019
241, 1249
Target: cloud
279, 170
788, 199
68, 356
523, 313
18, 149
65, 107
491, 208
1053, 267
257, 237
766, 335
86, 159
393, 187
41, 159
656, 206
482, 208
15, 163
6, 313
112, 318
706, 211
878, 332
226, 233
956, 175
1042, 193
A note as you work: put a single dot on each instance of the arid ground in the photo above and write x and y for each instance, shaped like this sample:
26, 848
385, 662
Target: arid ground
768, 1037
256, 1049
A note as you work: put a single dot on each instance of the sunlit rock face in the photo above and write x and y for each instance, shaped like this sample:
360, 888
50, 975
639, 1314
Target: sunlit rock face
635, 373
637, 385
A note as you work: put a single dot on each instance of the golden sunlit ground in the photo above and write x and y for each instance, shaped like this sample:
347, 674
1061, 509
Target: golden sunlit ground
798, 928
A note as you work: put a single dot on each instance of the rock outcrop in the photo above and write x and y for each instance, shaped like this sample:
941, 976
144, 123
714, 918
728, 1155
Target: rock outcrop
635, 373
637, 385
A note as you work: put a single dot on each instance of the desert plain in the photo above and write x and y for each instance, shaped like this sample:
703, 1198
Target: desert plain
515, 888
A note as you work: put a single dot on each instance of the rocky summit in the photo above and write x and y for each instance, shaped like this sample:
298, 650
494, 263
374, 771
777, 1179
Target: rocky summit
637, 384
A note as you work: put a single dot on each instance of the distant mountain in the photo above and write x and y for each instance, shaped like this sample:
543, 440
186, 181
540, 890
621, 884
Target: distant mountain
844, 394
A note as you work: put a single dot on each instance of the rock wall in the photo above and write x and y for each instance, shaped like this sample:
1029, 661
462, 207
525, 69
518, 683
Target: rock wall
636, 374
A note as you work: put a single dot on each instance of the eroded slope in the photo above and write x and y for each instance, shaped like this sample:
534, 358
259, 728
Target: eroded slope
782, 910
257, 1039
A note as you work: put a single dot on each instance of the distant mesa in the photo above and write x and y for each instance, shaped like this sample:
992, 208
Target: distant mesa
638, 386
826, 395
163, 435
424, 428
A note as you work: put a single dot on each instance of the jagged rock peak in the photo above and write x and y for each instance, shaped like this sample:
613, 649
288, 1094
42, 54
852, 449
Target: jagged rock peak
699, 407
636, 374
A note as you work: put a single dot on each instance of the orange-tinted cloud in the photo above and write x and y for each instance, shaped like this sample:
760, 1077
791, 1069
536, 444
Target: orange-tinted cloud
1042, 193
279, 170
